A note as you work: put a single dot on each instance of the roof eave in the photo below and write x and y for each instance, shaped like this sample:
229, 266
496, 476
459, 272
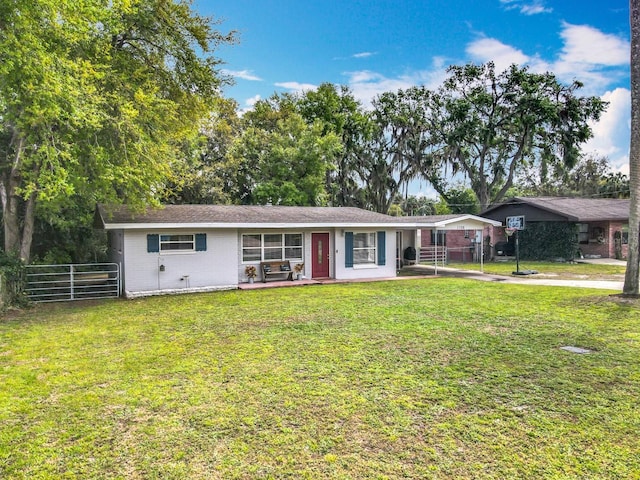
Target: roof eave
245, 226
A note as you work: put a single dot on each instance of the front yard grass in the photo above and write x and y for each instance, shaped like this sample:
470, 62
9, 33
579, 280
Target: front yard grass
430, 378
558, 270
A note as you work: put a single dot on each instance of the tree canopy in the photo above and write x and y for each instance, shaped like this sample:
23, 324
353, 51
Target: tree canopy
281, 159
591, 176
487, 126
96, 101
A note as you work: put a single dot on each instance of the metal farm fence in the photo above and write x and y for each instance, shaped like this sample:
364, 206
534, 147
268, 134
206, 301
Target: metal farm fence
65, 282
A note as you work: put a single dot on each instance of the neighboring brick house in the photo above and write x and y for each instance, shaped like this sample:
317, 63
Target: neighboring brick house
455, 237
462, 244
603, 223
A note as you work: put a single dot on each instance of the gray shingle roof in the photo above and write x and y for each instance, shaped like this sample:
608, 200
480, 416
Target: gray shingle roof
241, 214
577, 209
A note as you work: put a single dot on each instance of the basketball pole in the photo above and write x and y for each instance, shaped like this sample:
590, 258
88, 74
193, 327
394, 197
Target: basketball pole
517, 251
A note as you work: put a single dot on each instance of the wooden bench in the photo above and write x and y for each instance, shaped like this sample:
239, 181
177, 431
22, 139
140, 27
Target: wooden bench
278, 267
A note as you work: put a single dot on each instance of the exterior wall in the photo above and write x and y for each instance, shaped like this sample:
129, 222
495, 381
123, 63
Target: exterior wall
221, 265
603, 245
306, 253
215, 267
365, 271
115, 246
600, 245
337, 267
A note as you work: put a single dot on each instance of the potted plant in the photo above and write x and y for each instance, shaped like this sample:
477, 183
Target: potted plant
298, 268
251, 272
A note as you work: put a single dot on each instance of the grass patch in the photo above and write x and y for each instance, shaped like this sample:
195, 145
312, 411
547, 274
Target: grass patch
559, 270
436, 378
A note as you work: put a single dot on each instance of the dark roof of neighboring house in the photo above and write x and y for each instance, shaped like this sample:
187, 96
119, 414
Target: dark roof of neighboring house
575, 209
450, 219
439, 218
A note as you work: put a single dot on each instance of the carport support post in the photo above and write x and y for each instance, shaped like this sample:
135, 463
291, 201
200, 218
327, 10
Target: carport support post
481, 249
435, 256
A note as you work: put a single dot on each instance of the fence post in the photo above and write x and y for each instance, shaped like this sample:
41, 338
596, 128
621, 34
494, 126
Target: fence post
71, 281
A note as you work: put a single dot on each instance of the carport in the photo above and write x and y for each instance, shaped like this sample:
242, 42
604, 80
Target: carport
470, 224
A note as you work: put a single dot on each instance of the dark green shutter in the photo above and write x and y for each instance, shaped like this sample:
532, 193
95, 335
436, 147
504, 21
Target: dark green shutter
201, 242
153, 242
382, 248
348, 249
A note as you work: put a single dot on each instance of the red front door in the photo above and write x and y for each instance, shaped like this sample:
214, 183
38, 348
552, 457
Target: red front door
319, 255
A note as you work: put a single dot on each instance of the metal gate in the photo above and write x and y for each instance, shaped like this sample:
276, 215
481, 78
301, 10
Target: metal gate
433, 255
79, 281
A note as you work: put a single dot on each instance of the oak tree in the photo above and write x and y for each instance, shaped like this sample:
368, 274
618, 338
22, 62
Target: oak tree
488, 125
97, 100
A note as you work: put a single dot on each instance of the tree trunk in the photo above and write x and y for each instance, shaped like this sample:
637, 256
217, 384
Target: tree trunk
631, 279
27, 228
10, 216
18, 235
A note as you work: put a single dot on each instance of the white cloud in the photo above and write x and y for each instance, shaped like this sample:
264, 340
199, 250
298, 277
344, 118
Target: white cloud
611, 133
366, 85
595, 58
296, 86
533, 7
587, 45
492, 50
243, 74
363, 54
623, 168
250, 102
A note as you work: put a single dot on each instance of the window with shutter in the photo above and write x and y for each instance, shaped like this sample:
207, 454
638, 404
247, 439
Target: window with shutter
382, 252
201, 242
153, 243
348, 249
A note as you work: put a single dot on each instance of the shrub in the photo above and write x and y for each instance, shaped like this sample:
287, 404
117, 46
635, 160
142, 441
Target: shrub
548, 240
12, 271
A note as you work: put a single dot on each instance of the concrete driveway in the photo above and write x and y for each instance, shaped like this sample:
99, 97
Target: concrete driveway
524, 280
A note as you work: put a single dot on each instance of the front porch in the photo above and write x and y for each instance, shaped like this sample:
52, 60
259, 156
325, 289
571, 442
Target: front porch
406, 273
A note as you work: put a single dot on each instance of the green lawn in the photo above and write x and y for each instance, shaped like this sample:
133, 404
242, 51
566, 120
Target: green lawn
428, 378
550, 269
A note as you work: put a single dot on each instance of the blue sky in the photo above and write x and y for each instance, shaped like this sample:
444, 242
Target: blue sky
381, 45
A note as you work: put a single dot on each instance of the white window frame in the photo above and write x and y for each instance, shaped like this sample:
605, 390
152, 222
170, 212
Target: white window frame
164, 243
283, 247
371, 249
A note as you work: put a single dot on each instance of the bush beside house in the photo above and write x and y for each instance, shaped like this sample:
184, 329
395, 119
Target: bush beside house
549, 240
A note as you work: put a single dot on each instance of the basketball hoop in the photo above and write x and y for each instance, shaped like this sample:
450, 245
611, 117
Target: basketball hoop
510, 231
